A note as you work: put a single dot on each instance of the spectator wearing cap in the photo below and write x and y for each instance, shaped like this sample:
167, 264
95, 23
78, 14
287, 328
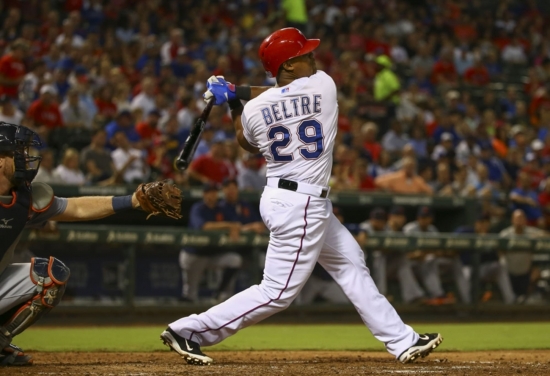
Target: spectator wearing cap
533, 168
251, 172
145, 100
209, 215
387, 262
246, 214
395, 139
491, 267
520, 262
96, 161
519, 139
147, 129
61, 82
369, 132
12, 68
445, 147
75, 114
495, 168
8, 112
123, 122
129, 162
211, 167
404, 181
387, 86
44, 112
431, 264
523, 197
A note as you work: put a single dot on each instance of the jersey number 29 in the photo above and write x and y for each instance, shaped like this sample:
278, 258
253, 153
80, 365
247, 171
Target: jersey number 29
310, 133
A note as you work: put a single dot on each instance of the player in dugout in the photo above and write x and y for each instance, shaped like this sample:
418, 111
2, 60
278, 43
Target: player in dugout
30, 290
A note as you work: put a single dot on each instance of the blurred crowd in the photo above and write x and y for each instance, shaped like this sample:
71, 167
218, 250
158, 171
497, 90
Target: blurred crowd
441, 97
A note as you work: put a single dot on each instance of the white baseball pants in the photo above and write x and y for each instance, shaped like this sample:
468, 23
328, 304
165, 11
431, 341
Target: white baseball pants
303, 231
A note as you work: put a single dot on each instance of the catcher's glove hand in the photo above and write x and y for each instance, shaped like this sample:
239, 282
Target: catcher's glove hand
160, 197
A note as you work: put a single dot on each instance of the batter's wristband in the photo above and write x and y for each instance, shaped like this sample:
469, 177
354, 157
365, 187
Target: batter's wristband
235, 104
243, 92
122, 203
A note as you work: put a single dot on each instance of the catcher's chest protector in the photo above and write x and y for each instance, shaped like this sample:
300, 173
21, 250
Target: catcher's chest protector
13, 217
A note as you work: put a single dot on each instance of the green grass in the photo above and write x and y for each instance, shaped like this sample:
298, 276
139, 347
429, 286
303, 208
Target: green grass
458, 337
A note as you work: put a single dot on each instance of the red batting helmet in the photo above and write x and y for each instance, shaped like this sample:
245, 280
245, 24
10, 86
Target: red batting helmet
283, 45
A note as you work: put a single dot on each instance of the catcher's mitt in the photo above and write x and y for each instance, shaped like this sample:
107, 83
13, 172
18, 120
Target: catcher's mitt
160, 197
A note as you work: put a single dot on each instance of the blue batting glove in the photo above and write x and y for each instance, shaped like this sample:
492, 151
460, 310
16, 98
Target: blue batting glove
220, 89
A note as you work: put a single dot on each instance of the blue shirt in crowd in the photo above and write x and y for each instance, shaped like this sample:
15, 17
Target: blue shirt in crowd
531, 212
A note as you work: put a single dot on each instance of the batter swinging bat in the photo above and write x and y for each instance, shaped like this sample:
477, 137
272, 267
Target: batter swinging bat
190, 145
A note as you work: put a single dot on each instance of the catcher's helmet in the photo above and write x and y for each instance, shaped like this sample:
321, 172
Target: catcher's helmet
283, 45
16, 140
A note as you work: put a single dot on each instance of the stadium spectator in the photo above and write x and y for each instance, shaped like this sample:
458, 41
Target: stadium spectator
209, 215
386, 83
44, 113
369, 132
122, 123
514, 53
145, 100
404, 181
245, 213
68, 171
523, 197
106, 107
96, 161
32, 81
172, 48
148, 128
9, 113
47, 166
12, 69
386, 262
395, 139
74, 112
520, 262
430, 265
444, 71
477, 74
491, 267
211, 167
129, 162
251, 172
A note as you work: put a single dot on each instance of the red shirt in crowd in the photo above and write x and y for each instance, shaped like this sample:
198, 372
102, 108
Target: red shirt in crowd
146, 132
106, 109
47, 115
537, 176
477, 76
544, 199
374, 149
11, 68
443, 69
215, 170
367, 184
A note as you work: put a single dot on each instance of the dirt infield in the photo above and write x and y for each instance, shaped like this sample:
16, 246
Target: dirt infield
251, 363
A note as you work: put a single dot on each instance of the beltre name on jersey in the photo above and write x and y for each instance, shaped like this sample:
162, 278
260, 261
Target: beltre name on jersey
294, 127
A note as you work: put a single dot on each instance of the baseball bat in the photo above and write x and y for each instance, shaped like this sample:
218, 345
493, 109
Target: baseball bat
186, 155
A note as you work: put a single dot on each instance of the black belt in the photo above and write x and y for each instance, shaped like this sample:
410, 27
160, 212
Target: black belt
293, 186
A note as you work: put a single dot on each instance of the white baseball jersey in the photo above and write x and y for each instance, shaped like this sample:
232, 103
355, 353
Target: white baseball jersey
294, 127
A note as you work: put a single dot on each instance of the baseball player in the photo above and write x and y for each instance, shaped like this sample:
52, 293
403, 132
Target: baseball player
30, 290
294, 125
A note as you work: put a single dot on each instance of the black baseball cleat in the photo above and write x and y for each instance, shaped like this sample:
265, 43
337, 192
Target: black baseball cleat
423, 347
13, 356
189, 350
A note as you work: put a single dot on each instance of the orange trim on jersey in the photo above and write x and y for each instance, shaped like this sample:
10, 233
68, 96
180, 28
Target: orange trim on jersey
41, 210
13, 199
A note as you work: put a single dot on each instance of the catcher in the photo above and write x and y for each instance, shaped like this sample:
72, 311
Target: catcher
30, 290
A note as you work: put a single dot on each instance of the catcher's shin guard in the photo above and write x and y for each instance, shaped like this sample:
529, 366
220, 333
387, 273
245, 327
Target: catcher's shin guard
50, 277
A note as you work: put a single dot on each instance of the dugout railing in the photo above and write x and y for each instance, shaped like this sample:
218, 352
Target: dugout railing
120, 245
